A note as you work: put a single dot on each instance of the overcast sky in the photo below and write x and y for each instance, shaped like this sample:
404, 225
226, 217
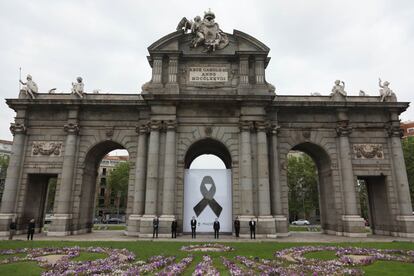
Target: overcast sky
312, 43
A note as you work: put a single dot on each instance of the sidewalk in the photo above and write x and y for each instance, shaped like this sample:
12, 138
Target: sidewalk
301, 237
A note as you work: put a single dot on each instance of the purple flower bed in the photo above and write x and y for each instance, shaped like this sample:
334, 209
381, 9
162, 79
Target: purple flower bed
290, 261
176, 268
205, 267
234, 269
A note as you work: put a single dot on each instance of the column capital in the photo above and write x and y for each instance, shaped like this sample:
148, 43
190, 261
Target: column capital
246, 125
343, 128
155, 125
262, 126
17, 128
395, 131
170, 125
71, 128
275, 129
142, 129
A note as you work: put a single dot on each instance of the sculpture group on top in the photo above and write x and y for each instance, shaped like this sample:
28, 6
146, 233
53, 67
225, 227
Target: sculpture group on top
31, 89
205, 32
386, 94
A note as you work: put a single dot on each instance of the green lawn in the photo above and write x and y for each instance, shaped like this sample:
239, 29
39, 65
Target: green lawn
146, 249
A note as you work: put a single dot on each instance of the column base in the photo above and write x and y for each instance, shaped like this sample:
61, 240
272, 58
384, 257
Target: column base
282, 226
133, 227
5, 220
266, 226
165, 225
145, 227
353, 226
405, 226
172, 88
244, 225
60, 225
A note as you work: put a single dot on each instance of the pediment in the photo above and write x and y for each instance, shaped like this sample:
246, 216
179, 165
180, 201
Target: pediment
179, 42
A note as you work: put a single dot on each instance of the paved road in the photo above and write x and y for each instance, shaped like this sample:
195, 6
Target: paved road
118, 235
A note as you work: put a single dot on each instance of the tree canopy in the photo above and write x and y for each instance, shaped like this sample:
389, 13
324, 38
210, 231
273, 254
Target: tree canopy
408, 149
118, 180
303, 187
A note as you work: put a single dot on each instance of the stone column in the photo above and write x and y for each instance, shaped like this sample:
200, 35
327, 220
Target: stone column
260, 70
139, 189
263, 169
168, 195
157, 69
169, 171
172, 84
405, 218
266, 223
60, 225
244, 71
353, 224
11, 187
282, 225
151, 189
152, 170
246, 177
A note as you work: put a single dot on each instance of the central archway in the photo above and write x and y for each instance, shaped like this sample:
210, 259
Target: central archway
208, 192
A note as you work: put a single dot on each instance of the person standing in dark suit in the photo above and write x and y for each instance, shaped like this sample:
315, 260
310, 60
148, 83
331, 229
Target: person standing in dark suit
155, 224
12, 229
30, 229
237, 226
193, 227
252, 225
174, 229
216, 227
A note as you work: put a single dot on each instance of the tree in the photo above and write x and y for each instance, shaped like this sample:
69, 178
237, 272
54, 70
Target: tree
118, 182
408, 150
303, 186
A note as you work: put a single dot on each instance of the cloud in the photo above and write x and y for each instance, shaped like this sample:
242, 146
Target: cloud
312, 43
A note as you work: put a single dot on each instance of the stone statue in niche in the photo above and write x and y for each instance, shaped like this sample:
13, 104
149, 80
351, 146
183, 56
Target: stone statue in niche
338, 88
205, 32
77, 87
30, 87
385, 91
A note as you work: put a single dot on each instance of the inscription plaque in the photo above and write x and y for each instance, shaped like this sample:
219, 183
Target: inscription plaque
208, 74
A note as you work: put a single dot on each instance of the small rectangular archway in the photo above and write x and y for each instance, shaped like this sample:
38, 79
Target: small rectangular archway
36, 199
378, 214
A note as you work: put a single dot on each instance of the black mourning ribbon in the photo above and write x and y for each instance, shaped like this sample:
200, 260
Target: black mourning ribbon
208, 197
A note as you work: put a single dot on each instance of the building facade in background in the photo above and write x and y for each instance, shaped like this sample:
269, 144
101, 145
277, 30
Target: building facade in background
408, 128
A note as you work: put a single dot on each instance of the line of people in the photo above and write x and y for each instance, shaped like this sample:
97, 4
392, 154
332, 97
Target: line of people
193, 224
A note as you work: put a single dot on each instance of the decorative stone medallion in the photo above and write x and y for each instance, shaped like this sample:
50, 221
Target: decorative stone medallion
368, 151
40, 148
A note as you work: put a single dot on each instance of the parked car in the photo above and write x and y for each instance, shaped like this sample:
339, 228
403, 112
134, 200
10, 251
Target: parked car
114, 221
300, 222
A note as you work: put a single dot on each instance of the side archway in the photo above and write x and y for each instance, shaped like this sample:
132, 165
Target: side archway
91, 163
326, 188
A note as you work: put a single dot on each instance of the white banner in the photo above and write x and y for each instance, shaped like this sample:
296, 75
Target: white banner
207, 195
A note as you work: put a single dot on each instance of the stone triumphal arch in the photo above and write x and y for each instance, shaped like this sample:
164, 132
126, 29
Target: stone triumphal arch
207, 94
